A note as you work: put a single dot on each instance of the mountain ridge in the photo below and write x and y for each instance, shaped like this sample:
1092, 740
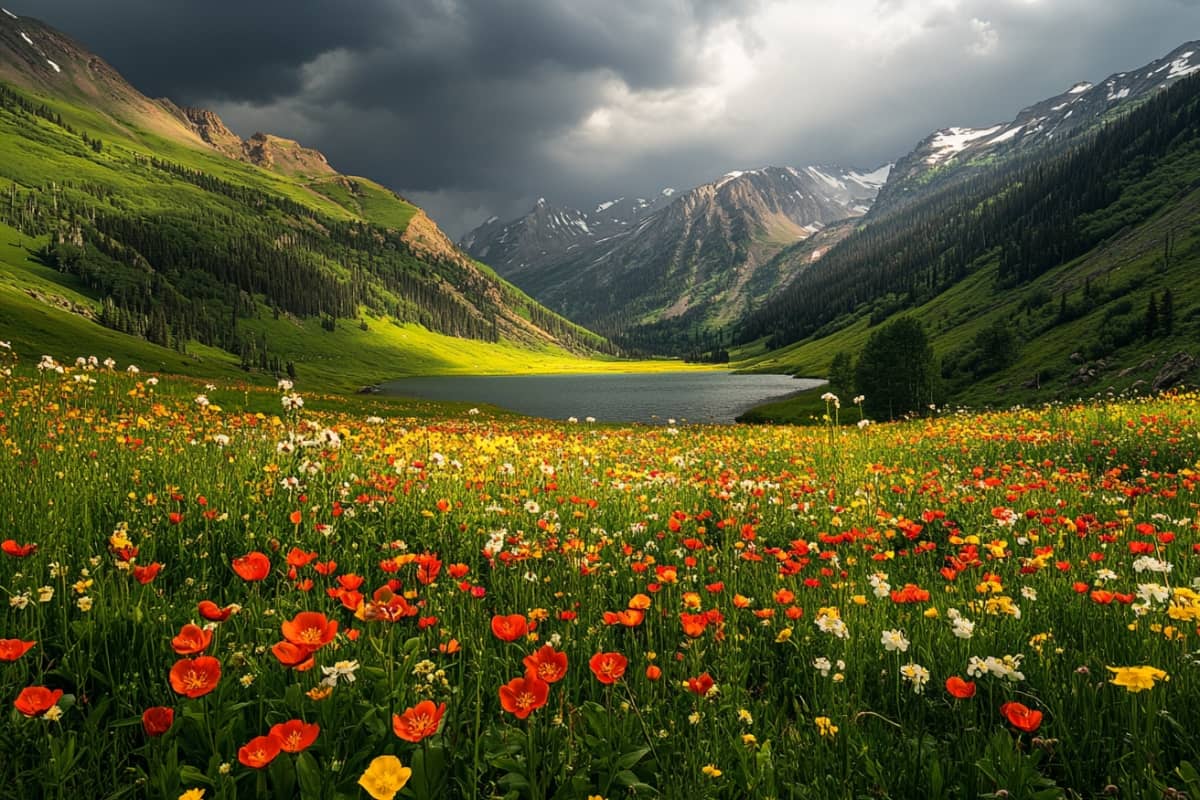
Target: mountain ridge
685, 258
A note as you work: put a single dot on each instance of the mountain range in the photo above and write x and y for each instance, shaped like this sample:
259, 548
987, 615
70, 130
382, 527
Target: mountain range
656, 273
151, 231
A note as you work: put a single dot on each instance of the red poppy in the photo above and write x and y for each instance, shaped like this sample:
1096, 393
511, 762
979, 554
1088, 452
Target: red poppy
12, 649
1021, 716
10, 547
145, 574
299, 558
419, 722
428, 567
310, 629
157, 720
33, 701
523, 696
259, 751
547, 663
700, 684
959, 688
191, 639
253, 566
295, 735
653, 672
458, 571
293, 655
195, 677
608, 667
212, 612
509, 628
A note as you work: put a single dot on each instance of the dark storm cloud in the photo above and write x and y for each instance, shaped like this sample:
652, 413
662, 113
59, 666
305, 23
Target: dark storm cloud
477, 107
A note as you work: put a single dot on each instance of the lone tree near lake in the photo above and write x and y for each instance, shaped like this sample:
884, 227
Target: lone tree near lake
896, 370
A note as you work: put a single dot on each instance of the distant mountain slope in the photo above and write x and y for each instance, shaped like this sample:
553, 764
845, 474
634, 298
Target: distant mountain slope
955, 154
180, 233
1067, 262
667, 274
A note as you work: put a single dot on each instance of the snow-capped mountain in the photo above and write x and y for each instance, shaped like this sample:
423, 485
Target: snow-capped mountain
698, 253
954, 153
548, 233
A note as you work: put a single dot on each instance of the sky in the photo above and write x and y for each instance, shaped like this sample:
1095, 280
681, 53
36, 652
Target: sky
474, 108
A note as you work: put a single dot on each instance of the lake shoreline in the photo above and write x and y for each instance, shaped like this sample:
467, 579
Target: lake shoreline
687, 396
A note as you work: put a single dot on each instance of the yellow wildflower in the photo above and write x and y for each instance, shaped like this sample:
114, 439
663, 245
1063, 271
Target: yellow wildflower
192, 794
384, 777
711, 770
1135, 679
825, 726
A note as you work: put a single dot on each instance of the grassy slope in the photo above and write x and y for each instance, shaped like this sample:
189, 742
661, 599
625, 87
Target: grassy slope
41, 154
1124, 271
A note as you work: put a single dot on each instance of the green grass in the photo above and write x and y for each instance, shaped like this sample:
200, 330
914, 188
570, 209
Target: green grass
780, 567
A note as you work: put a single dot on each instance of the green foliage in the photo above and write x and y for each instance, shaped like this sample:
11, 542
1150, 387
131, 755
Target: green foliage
896, 370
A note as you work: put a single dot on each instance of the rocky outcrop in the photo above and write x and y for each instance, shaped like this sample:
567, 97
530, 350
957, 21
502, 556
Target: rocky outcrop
285, 155
1177, 369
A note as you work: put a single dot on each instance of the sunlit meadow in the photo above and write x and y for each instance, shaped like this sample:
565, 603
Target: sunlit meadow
216, 593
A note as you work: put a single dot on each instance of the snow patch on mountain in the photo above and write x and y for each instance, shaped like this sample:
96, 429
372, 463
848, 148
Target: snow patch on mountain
1079, 88
1182, 66
9, 13
28, 41
53, 65
828, 180
607, 204
949, 142
1008, 134
874, 179
667, 191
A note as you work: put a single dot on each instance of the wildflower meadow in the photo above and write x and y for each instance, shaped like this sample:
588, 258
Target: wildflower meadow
219, 592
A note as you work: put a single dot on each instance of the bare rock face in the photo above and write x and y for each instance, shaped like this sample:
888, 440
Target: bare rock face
212, 130
285, 155
1175, 371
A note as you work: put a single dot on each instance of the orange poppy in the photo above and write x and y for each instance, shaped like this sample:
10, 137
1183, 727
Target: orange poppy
146, 574
191, 639
693, 624
309, 629
195, 677
959, 688
253, 566
12, 649
33, 701
10, 547
523, 696
212, 612
630, 617
259, 751
1021, 716
653, 672
547, 663
509, 628
299, 558
419, 722
640, 601
295, 735
293, 655
608, 667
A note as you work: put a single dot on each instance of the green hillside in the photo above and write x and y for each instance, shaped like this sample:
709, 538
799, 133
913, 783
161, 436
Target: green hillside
1069, 263
125, 234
